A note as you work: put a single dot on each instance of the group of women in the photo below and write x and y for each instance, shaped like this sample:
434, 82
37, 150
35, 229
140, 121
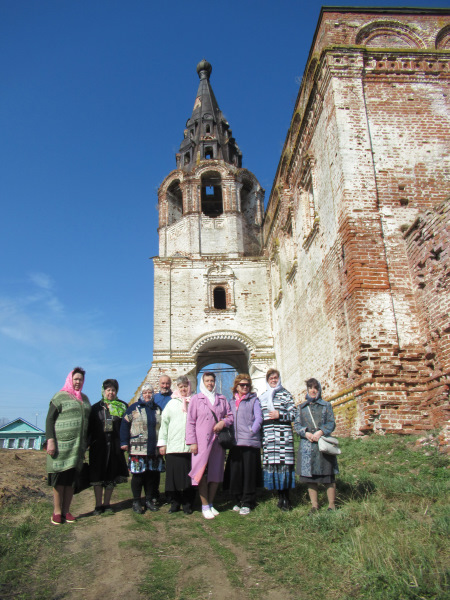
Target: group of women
183, 441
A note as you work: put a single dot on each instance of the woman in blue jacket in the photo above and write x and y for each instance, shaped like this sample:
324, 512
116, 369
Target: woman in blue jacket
243, 470
138, 435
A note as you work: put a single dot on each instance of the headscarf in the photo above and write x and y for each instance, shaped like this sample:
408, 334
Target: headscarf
270, 393
210, 395
185, 399
319, 395
68, 387
116, 407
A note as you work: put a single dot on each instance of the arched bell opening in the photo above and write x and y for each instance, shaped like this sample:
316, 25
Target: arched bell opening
211, 195
174, 202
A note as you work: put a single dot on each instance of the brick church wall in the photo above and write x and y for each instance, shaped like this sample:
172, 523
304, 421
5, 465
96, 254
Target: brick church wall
369, 137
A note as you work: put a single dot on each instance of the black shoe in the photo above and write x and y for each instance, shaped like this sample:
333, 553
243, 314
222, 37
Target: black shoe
280, 502
98, 510
137, 507
174, 508
107, 508
187, 510
151, 505
286, 505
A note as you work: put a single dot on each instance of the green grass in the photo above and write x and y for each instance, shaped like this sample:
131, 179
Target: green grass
387, 541
24, 541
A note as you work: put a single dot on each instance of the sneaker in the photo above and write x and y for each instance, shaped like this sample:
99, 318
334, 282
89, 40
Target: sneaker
56, 519
69, 518
174, 508
98, 510
213, 510
207, 513
107, 508
236, 508
187, 510
137, 507
244, 510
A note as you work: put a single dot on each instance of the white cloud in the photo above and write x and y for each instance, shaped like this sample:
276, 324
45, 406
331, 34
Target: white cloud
42, 280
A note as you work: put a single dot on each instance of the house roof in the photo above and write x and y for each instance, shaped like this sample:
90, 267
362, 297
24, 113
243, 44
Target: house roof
14, 425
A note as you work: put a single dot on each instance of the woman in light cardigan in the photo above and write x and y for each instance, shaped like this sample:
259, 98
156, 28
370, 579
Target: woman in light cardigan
172, 445
202, 427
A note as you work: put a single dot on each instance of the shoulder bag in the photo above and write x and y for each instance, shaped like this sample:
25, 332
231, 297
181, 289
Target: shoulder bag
327, 443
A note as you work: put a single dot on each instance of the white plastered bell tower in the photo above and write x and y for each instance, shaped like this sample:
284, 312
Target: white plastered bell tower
211, 285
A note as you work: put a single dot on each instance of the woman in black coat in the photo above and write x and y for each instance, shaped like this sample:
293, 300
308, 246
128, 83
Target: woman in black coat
107, 464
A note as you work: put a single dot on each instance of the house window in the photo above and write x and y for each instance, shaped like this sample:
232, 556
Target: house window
220, 298
31, 442
11, 443
21, 443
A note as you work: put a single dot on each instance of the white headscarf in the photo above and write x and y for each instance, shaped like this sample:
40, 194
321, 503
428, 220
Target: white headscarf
210, 395
270, 392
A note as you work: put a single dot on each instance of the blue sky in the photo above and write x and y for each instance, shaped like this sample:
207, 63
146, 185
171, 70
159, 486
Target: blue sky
95, 95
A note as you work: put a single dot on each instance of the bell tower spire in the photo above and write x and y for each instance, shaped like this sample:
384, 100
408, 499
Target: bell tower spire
207, 134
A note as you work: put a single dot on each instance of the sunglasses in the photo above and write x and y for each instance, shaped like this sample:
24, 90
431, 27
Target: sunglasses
244, 384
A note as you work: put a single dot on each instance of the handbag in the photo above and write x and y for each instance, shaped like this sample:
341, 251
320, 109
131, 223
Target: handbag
327, 443
225, 436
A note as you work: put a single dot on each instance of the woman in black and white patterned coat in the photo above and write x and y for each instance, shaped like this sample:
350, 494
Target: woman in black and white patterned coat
278, 411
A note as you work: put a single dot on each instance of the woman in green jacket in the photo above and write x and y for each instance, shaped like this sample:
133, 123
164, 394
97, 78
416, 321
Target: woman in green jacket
66, 432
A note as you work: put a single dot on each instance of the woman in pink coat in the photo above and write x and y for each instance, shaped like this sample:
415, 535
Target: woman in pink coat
201, 429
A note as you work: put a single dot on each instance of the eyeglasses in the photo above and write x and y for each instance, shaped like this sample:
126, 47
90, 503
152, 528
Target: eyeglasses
244, 384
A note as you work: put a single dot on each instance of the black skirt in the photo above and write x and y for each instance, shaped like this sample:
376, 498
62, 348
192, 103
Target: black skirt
66, 478
317, 479
178, 466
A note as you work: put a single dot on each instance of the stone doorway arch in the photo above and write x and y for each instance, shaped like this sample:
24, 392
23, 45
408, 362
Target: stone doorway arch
231, 348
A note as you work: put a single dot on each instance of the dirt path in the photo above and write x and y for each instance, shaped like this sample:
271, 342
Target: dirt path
209, 566
173, 557
97, 541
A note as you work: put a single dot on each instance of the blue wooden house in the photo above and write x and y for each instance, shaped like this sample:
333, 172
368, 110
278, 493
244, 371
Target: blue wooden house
19, 434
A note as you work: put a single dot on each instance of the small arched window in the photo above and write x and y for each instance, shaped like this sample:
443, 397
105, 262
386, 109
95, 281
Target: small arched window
208, 129
209, 154
187, 158
220, 298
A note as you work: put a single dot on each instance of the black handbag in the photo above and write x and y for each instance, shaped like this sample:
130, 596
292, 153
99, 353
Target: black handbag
225, 436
